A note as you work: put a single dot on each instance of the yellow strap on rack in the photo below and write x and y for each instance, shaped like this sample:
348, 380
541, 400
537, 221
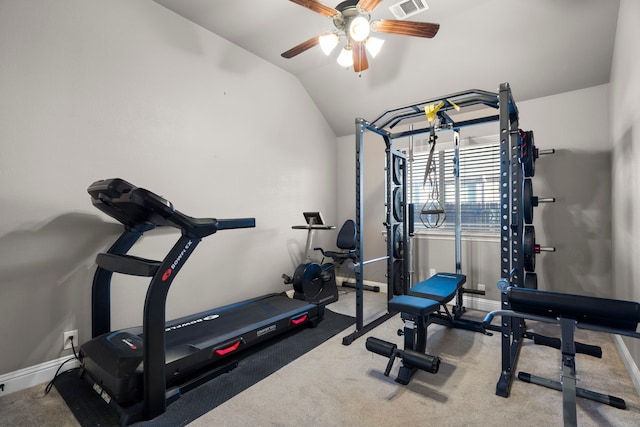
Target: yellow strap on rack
431, 110
453, 105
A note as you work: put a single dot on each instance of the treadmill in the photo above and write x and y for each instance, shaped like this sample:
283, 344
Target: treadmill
138, 371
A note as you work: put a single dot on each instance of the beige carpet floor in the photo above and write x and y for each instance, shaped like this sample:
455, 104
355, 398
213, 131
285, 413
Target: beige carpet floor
337, 385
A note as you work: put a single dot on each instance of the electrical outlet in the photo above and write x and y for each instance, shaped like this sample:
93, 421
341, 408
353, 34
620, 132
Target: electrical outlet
66, 339
432, 272
481, 287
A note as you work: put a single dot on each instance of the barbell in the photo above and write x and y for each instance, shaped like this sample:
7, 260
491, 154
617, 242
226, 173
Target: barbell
356, 265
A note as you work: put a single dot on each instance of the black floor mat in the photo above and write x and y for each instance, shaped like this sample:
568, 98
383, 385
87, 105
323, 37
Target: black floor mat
256, 364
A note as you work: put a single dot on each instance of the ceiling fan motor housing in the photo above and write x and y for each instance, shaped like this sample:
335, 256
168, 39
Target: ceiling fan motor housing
348, 12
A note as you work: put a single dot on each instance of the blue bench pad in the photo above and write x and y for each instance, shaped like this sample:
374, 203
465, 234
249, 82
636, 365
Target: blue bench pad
413, 305
441, 287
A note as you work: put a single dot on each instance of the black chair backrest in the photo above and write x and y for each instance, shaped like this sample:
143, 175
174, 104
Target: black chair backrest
347, 236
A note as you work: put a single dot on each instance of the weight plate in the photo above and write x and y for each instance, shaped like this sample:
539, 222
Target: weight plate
398, 205
398, 165
398, 241
527, 200
529, 243
530, 280
528, 153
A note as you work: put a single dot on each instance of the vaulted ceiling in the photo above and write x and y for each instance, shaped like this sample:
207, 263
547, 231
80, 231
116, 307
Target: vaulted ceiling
541, 47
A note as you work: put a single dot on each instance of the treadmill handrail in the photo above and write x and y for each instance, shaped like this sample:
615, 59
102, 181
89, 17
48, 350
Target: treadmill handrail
228, 224
202, 227
133, 206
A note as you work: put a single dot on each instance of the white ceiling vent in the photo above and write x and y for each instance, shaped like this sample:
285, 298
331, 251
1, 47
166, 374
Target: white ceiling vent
407, 8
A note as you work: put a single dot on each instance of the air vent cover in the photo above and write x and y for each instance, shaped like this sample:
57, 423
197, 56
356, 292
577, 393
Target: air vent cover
407, 8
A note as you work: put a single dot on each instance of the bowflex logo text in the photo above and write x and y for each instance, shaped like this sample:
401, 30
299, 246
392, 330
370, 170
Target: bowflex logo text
174, 264
192, 322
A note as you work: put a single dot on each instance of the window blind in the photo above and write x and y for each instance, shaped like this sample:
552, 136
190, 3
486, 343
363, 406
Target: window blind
479, 189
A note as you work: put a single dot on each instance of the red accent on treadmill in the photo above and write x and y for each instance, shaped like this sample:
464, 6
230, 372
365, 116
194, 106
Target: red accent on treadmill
300, 320
166, 274
227, 350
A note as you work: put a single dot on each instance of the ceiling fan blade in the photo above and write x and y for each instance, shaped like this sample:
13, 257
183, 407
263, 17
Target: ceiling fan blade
297, 50
317, 7
368, 5
405, 28
360, 62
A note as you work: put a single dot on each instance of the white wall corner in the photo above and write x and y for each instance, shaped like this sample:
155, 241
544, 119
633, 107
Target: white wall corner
632, 368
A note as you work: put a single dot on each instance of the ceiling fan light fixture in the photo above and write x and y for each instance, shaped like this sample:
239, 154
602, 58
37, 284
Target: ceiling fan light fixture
328, 42
345, 59
359, 28
373, 46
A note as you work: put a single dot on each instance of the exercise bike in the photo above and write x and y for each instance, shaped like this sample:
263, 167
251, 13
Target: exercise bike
312, 281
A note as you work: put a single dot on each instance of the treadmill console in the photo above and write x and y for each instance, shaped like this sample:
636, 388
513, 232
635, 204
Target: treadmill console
129, 204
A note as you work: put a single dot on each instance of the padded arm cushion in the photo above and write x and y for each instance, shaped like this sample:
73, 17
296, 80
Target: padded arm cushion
441, 287
604, 312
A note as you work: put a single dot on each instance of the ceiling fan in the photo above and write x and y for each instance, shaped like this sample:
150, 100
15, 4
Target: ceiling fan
352, 20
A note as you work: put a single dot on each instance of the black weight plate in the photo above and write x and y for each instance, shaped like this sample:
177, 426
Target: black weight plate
528, 153
398, 165
529, 243
398, 277
530, 280
527, 201
398, 205
398, 241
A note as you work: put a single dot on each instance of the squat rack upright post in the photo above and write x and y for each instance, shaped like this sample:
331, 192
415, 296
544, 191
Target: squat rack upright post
511, 235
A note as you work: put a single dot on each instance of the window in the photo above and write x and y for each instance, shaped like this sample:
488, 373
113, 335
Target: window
479, 187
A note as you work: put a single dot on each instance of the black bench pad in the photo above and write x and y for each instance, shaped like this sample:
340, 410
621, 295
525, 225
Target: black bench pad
604, 312
413, 305
441, 287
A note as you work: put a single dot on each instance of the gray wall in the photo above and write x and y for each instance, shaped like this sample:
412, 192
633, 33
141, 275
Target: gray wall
625, 131
95, 89
578, 175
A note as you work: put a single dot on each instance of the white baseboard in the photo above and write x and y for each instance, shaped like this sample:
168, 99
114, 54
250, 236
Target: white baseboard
33, 375
632, 368
482, 304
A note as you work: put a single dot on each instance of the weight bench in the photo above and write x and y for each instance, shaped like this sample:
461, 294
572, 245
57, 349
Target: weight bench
571, 312
425, 304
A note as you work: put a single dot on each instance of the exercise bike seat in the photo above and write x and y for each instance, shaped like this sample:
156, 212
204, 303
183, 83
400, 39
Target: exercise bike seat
441, 287
346, 241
